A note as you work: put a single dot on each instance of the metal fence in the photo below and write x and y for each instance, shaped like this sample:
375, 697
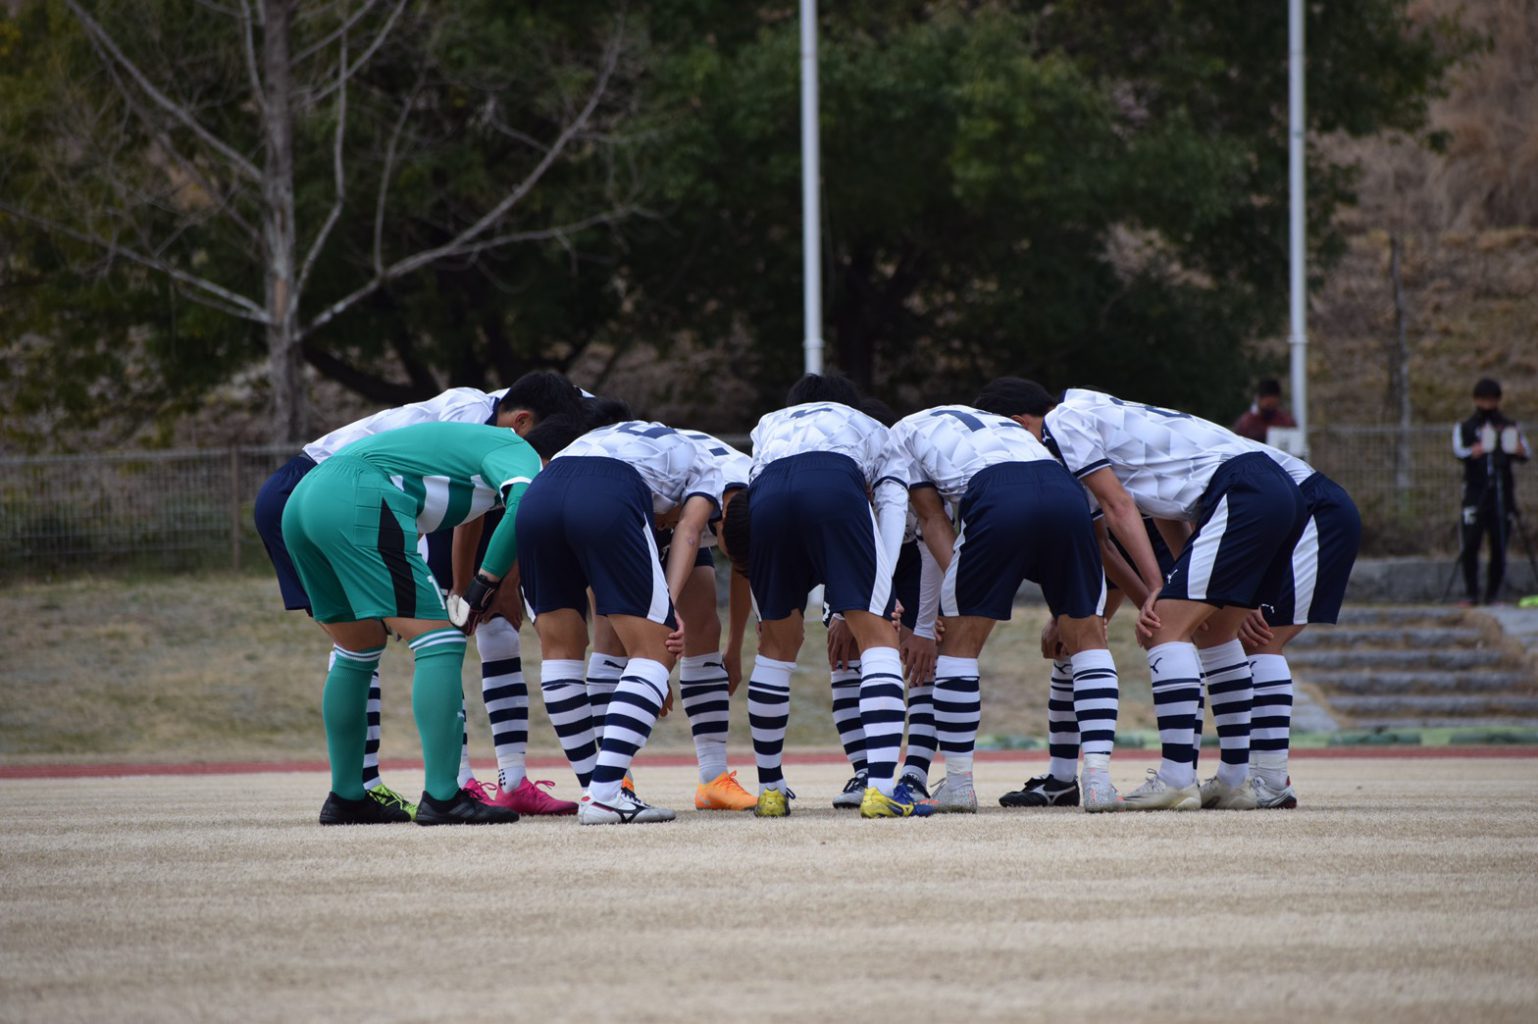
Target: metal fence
192, 509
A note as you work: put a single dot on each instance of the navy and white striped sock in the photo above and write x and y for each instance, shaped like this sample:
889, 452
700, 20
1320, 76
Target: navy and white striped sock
603, 676
702, 686
922, 738
958, 712
1232, 692
1271, 726
632, 713
1062, 725
881, 713
506, 696
1176, 672
846, 714
466, 773
1096, 701
371, 747
768, 717
565, 693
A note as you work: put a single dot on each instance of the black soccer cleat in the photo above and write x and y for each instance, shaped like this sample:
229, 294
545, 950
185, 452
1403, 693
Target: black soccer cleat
1041, 791
462, 809
337, 811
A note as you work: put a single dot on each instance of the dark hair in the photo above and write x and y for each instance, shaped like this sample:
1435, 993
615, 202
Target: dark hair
600, 412
544, 393
551, 435
1487, 388
736, 530
877, 410
823, 387
1014, 396
1268, 388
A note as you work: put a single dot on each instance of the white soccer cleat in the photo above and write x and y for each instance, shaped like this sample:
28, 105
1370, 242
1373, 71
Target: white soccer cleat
1220, 796
1099, 796
625, 809
954, 796
854, 792
1268, 797
1158, 795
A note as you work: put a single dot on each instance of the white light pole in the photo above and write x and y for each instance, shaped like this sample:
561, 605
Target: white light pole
1298, 341
811, 245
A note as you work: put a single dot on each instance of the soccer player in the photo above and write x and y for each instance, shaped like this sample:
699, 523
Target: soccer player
532, 398
1022, 517
350, 528
1143, 460
1313, 591
805, 519
590, 520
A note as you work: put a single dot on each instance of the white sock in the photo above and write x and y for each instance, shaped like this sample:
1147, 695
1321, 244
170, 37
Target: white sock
1176, 672
882, 710
768, 718
702, 686
958, 712
1231, 692
1271, 727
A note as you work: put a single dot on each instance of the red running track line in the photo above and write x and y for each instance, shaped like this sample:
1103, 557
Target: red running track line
83, 771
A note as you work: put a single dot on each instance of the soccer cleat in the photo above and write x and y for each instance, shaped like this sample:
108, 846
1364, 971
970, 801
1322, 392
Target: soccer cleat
528, 798
625, 809
1043, 791
390, 798
919, 788
1267, 797
337, 811
1100, 795
461, 809
1220, 796
722, 793
903, 803
628, 784
854, 791
479, 791
1157, 795
772, 803
954, 796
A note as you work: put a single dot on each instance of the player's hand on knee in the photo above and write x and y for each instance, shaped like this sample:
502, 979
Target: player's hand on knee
508, 601
918, 656
731, 661
476, 605
842, 647
667, 704
1050, 644
1148, 620
1253, 632
461, 616
675, 640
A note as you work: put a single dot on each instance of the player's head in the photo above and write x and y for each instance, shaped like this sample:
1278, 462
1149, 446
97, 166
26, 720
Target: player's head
877, 410
1268, 397
1024, 401
823, 387
554, 433
735, 537
1487, 395
601, 412
535, 397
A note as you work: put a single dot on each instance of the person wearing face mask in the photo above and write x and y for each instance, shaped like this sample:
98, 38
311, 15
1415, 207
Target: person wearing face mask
1488, 443
1265, 413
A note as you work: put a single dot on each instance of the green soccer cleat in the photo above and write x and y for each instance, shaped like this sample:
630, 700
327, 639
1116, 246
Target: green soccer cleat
387, 797
773, 803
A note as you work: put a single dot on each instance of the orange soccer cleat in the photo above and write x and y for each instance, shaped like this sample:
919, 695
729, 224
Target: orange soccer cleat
722, 793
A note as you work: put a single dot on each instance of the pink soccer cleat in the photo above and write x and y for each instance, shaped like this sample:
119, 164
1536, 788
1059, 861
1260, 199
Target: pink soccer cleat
529, 798
481, 793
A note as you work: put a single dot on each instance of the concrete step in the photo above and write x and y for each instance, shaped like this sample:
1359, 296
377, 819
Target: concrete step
1409, 682
1393, 637
1399, 615
1453, 659
1407, 705
1441, 722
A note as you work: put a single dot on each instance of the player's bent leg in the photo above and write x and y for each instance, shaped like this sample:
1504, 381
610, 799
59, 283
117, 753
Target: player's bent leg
563, 644
1231, 693
1175, 669
769, 709
1271, 727
632, 713
1096, 704
882, 712
703, 691
344, 708
958, 710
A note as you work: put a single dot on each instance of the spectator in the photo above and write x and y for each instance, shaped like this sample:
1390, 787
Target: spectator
1488, 443
1265, 413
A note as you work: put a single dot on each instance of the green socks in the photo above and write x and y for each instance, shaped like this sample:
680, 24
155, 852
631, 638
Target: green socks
344, 707
436, 696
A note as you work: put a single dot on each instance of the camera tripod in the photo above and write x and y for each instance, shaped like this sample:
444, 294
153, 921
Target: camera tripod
1514, 518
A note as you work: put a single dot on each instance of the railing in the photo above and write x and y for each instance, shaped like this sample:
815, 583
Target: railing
192, 509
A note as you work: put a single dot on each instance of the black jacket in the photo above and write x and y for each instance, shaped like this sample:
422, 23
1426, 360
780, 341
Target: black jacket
1480, 475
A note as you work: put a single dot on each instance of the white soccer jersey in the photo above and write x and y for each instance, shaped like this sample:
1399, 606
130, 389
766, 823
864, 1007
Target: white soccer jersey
674, 467
1164, 459
736, 466
456, 405
830, 427
1295, 467
950, 444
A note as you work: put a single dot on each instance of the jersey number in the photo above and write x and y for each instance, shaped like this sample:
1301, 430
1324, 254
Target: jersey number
813, 411
631, 428
1166, 413
972, 422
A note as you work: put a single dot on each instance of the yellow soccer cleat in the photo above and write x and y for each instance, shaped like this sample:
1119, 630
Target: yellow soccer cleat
903, 803
773, 803
722, 793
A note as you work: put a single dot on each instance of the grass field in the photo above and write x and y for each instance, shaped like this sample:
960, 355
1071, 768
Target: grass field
1401, 890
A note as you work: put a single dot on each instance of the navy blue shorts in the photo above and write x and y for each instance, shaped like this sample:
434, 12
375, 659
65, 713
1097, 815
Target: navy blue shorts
1161, 551
587, 522
1024, 521
1321, 562
811, 522
702, 556
268, 512
906, 581
1252, 516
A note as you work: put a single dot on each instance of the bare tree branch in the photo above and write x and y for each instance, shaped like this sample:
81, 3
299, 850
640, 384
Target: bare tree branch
389, 172
559, 232
248, 45
466, 241
344, 71
100, 37
239, 304
314, 48
335, 213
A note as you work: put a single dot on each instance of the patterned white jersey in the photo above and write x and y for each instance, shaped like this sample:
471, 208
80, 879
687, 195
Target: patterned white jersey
830, 427
736, 466
949, 444
673, 466
456, 405
1164, 459
1295, 467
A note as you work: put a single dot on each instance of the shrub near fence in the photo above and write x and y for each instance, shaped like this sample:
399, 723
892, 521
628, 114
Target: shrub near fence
192, 509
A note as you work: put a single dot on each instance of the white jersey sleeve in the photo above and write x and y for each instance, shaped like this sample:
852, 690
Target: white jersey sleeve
1165, 459
456, 405
674, 467
949, 445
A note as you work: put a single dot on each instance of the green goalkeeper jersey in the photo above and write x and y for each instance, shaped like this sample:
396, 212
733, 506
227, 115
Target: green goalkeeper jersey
456, 472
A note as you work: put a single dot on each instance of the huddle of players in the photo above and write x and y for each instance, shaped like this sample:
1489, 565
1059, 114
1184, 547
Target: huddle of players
955, 506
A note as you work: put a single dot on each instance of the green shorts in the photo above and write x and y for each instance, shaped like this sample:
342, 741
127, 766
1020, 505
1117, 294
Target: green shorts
353, 537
